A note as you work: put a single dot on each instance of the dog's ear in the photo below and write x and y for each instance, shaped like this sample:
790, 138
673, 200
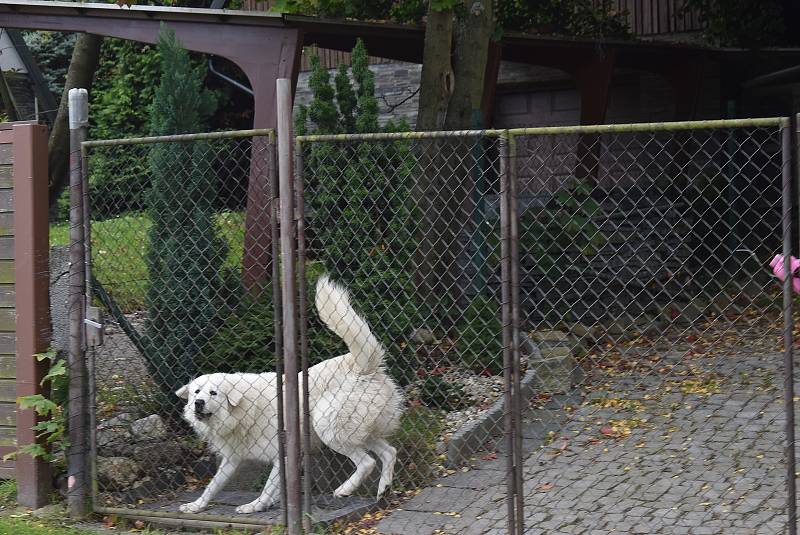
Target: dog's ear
234, 393
183, 392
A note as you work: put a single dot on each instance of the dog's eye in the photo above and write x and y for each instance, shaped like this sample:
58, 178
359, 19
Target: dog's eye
213, 393
197, 391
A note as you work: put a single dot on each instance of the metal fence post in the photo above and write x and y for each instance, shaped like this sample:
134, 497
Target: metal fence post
516, 403
277, 308
78, 414
788, 171
301, 276
293, 498
508, 330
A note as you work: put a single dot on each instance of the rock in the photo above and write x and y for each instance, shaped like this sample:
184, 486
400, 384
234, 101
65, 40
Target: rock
554, 370
423, 336
115, 433
156, 455
122, 419
117, 472
528, 350
582, 331
54, 510
550, 337
150, 427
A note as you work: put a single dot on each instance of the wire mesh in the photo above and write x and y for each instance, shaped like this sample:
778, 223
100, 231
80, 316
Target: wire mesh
650, 330
643, 328
645, 281
181, 259
410, 230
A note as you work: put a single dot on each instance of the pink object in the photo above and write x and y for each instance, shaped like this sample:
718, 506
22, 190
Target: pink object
777, 268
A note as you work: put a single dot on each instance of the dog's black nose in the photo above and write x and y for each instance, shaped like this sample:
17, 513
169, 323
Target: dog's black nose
199, 405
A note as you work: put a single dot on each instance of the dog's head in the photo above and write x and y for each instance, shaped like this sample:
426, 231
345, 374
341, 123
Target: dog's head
210, 398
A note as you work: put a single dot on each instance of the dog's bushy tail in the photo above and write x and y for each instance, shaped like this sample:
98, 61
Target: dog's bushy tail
335, 310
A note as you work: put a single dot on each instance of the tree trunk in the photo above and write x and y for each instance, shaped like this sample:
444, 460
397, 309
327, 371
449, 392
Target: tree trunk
82, 66
436, 81
473, 30
436, 88
450, 98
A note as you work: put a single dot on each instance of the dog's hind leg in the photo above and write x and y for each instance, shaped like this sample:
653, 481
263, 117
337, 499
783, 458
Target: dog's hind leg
226, 469
388, 455
364, 465
268, 496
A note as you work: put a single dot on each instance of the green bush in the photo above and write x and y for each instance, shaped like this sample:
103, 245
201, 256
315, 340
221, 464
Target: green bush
415, 441
186, 252
51, 427
361, 227
479, 340
438, 393
245, 341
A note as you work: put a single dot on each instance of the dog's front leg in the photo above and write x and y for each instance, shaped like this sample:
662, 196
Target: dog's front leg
226, 469
268, 496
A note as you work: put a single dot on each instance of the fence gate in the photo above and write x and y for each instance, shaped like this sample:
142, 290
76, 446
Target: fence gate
170, 221
581, 320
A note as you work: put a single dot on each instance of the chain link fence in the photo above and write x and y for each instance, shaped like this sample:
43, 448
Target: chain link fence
181, 266
644, 259
410, 227
566, 330
643, 392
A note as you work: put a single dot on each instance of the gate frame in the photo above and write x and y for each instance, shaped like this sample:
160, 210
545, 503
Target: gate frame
80, 221
509, 259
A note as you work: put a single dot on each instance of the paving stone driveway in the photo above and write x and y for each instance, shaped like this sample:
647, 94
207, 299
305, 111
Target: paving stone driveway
679, 443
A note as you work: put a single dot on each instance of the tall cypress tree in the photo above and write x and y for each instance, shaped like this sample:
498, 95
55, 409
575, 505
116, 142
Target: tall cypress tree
186, 252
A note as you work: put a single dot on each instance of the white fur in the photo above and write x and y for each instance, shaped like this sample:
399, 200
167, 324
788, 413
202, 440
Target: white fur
353, 406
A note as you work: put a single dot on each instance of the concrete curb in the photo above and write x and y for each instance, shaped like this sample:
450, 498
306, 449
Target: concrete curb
551, 368
474, 435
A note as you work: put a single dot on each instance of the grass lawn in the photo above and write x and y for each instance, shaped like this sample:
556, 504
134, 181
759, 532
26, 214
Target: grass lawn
29, 526
119, 246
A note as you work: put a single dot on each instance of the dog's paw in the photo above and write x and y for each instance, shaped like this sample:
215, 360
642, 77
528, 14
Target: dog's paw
382, 487
252, 507
193, 507
343, 491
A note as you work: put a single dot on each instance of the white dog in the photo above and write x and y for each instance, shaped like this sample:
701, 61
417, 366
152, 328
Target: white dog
353, 406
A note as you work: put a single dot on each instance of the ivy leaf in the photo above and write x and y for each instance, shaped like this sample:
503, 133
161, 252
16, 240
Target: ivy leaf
443, 5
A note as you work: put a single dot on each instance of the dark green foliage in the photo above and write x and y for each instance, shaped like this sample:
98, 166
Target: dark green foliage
479, 340
52, 52
563, 17
742, 23
367, 118
346, 99
568, 223
360, 221
323, 112
126, 83
415, 440
185, 253
245, 342
437, 393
